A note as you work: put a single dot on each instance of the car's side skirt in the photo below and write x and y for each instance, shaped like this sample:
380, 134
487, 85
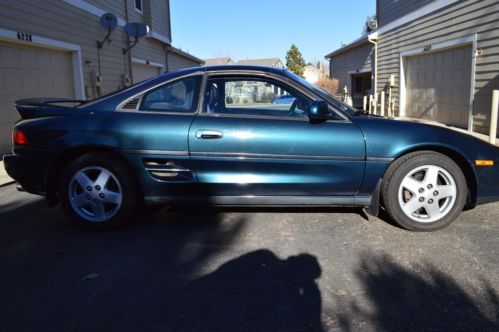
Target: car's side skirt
263, 200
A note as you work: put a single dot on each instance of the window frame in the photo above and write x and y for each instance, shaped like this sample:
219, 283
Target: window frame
249, 77
195, 100
283, 80
141, 10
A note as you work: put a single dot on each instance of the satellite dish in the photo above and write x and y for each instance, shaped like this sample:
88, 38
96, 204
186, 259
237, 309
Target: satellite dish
108, 21
136, 30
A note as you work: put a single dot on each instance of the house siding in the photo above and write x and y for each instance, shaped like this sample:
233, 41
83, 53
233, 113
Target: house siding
177, 61
75, 26
463, 19
390, 10
61, 21
356, 59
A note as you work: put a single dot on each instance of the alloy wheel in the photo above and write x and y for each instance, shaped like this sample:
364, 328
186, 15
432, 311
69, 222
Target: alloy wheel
95, 194
427, 193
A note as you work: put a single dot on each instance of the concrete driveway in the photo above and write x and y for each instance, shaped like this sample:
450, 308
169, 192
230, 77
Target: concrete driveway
241, 270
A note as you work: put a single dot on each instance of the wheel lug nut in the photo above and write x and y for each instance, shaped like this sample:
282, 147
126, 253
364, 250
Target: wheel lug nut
96, 201
87, 197
430, 186
430, 201
89, 188
435, 193
97, 187
101, 195
421, 199
421, 190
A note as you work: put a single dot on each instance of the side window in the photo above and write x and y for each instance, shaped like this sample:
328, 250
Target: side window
178, 96
258, 97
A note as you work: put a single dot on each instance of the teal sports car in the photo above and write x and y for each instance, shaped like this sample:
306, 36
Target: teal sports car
212, 136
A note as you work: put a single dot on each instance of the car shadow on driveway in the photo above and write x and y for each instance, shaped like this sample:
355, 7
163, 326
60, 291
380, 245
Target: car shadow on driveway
156, 275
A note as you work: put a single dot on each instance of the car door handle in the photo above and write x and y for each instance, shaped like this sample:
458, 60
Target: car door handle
208, 134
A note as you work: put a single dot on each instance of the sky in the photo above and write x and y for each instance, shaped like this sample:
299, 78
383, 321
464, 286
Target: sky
250, 29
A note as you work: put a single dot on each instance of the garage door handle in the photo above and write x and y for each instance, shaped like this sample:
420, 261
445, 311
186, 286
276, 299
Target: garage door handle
208, 134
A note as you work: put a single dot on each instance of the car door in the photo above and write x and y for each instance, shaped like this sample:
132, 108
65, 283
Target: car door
154, 128
253, 137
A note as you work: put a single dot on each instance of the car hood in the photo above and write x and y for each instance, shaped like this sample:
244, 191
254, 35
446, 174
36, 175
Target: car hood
392, 137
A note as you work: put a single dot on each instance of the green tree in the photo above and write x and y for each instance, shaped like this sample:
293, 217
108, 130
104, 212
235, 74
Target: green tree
370, 25
295, 61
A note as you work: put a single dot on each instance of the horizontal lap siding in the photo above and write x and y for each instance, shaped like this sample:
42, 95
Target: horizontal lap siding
150, 49
462, 19
356, 59
160, 20
390, 10
177, 61
115, 7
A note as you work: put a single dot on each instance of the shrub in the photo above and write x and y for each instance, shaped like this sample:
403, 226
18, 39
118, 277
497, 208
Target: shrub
330, 85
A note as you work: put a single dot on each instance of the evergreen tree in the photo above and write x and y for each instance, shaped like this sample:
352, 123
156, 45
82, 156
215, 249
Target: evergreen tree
295, 61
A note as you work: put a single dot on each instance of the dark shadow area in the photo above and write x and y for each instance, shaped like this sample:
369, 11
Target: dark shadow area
482, 105
423, 299
146, 277
271, 209
255, 292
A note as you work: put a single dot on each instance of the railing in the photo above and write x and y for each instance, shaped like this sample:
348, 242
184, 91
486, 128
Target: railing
370, 104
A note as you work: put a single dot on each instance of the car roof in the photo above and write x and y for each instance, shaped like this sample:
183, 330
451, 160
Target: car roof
111, 101
227, 68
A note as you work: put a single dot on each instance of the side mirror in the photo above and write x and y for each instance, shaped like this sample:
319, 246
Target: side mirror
319, 110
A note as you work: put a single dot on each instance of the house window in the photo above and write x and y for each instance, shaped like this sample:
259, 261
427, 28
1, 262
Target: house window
138, 5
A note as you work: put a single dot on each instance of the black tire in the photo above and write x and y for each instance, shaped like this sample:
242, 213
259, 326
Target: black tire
394, 193
120, 184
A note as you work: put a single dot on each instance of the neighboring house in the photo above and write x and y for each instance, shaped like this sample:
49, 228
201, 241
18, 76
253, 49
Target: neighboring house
219, 62
49, 49
352, 66
270, 62
439, 58
313, 73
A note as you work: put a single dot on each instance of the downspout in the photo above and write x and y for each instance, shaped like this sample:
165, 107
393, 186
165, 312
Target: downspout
372, 38
167, 65
129, 54
167, 47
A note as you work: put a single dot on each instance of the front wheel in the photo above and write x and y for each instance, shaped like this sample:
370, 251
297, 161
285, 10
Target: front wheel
96, 191
424, 191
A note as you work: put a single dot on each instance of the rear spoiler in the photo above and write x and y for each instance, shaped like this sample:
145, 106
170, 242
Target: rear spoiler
51, 102
44, 107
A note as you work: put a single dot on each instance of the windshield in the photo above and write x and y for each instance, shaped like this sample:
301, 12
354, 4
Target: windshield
326, 95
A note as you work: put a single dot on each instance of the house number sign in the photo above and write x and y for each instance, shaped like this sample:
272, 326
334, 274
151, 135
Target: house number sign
28, 37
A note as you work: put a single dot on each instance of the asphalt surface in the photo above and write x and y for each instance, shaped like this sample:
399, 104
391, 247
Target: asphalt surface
245, 270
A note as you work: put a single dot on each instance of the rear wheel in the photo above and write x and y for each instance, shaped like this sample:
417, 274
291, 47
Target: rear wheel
96, 191
424, 191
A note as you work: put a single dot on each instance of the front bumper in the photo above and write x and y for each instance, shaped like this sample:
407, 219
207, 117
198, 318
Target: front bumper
488, 183
29, 172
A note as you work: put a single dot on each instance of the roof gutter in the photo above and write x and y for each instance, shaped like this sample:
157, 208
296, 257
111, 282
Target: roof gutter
373, 39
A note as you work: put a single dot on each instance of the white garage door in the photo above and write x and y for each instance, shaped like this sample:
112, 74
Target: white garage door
142, 72
29, 72
438, 86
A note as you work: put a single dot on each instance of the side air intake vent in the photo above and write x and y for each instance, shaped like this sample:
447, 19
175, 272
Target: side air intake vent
131, 104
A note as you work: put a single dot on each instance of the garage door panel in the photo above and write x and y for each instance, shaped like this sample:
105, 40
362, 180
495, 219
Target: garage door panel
142, 72
438, 86
8, 58
30, 72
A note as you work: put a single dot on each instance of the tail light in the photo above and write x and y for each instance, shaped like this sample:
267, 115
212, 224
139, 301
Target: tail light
19, 137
